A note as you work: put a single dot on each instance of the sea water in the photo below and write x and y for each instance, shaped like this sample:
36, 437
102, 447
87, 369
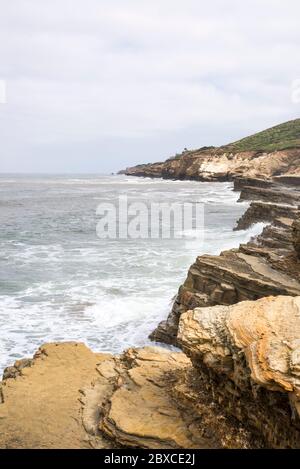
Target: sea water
60, 282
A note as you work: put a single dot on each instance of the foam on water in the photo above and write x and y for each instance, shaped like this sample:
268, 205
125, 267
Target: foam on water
58, 281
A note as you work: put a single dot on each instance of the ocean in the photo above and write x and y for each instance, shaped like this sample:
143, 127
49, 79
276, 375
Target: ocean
59, 281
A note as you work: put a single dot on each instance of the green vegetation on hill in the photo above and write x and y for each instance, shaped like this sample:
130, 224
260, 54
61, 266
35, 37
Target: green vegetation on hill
281, 137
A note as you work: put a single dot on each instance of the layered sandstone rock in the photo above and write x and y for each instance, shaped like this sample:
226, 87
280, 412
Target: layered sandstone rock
278, 194
296, 236
142, 412
270, 199
241, 388
249, 358
70, 397
227, 279
266, 265
265, 212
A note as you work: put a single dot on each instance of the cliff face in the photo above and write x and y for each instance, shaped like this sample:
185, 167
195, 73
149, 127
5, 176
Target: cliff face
267, 154
249, 358
265, 266
222, 165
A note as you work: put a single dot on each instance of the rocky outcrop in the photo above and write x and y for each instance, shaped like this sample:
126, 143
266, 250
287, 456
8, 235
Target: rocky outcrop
267, 265
70, 397
274, 152
277, 195
270, 200
141, 412
227, 279
249, 358
265, 212
222, 164
239, 389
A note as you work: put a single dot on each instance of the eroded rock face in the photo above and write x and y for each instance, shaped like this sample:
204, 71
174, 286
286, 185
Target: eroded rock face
296, 236
277, 194
250, 354
270, 199
265, 212
220, 165
141, 411
70, 397
236, 275
266, 265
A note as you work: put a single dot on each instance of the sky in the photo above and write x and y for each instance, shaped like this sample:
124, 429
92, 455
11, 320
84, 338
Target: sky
94, 86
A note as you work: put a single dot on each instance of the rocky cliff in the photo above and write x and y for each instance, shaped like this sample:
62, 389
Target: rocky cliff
267, 265
273, 152
241, 388
248, 356
222, 165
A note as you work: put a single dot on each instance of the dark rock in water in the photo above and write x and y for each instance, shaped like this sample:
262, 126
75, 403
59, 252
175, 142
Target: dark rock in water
288, 179
276, 195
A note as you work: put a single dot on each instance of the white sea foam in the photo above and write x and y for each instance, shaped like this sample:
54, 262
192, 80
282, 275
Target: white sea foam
58, 281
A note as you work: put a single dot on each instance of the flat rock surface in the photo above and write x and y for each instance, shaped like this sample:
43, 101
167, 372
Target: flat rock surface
41, 407
69, 397
142, 412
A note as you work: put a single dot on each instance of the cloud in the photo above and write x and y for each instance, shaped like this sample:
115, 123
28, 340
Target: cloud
85, 72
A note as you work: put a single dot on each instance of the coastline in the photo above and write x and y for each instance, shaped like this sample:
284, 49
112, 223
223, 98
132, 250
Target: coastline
234, 385
267, 265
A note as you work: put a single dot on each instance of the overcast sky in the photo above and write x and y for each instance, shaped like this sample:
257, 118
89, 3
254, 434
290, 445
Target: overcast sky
97, 85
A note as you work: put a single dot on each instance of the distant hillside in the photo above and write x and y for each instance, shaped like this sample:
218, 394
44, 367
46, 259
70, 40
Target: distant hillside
265, 155
280, 137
